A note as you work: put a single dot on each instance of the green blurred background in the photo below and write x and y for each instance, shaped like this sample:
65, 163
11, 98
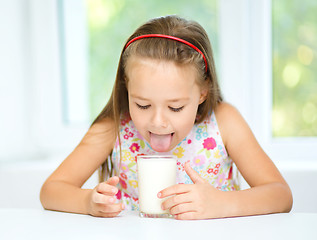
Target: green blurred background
294, 68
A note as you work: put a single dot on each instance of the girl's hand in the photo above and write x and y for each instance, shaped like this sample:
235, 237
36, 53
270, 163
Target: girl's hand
193, 201
102, 200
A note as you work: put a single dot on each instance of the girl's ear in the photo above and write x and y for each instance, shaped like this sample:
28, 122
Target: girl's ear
203, 95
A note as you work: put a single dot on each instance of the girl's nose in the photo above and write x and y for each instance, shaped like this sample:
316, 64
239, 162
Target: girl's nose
159, 119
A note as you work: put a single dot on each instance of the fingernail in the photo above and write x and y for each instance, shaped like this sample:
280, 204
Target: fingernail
122, 206
114, 190
112, 200
159, 194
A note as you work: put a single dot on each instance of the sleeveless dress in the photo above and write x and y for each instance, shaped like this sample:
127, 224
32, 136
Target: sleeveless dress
203, 148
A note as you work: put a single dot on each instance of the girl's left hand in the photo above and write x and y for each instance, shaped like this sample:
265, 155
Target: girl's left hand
193, 201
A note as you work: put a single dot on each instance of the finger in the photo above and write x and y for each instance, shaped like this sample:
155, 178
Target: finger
106, 189
194, 176
182, 208
107, 215
110, 208
186, 216
176, 200
103, 199
113, 181
172, 190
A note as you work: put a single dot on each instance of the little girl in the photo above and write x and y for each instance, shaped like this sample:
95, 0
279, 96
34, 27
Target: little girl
166, 99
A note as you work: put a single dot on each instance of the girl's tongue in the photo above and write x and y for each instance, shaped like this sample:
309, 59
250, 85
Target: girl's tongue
160, 143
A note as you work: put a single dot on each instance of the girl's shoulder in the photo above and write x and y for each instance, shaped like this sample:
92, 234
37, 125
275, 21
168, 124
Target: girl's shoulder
104, 124
101, 133
229, 120
224, 110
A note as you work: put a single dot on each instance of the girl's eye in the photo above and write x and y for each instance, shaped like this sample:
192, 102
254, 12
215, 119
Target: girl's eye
143, 107
176, 109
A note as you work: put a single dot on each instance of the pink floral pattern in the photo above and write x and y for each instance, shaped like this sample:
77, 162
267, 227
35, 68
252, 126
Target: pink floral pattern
203, 148
134, 147
199, 160
209, 143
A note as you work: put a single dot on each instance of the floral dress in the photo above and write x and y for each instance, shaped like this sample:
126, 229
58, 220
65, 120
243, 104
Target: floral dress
203, 148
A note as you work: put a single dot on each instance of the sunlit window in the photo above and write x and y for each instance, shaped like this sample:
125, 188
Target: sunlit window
111, 22
294, 68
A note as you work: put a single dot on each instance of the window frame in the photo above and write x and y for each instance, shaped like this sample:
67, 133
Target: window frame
52, 130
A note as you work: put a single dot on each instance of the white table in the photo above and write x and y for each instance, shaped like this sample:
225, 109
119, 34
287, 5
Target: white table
42, 224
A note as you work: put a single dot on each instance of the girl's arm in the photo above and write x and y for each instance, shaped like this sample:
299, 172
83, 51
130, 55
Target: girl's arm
269, 193
62, 190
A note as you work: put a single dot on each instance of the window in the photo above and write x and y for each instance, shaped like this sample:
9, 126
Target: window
265, 55
245, 40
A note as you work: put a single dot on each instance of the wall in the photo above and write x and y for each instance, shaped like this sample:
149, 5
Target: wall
20, 182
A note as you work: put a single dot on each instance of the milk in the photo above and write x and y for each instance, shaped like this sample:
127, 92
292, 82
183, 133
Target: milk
154, 174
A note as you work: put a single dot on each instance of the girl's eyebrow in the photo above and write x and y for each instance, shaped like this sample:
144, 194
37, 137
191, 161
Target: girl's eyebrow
139, 97
169, 100
179, 99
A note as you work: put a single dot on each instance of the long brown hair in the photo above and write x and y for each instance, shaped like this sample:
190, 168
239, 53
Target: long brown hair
163, 49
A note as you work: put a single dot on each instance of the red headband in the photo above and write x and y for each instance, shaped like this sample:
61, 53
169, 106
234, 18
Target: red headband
169, 37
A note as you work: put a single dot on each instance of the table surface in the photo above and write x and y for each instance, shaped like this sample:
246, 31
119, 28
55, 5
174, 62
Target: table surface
43, 224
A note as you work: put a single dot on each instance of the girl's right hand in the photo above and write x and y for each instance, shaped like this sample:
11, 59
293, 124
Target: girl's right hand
102, 200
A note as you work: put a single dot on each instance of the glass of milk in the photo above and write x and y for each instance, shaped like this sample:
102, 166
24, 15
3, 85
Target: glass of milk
155, 173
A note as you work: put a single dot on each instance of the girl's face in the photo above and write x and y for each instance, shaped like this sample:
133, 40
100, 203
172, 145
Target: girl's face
163, 100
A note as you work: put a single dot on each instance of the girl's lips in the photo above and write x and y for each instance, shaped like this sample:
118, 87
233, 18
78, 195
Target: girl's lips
161, 142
